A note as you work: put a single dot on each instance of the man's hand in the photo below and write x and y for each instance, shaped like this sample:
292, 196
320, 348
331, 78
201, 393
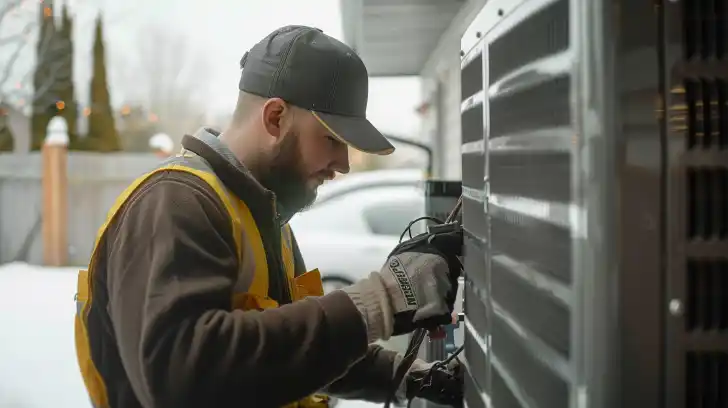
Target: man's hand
436, 382
416, 287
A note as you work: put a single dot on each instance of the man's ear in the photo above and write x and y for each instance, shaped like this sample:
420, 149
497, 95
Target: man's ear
275, 115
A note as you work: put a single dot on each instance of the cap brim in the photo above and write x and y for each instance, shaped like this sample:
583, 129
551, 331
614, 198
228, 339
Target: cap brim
356, 132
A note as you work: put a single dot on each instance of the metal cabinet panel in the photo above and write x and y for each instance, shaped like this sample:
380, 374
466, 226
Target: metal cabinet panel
600, 130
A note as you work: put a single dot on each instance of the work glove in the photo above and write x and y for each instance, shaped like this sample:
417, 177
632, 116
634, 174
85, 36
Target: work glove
415, 288
440, 383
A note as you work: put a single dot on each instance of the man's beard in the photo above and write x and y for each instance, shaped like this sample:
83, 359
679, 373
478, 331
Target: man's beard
284, 177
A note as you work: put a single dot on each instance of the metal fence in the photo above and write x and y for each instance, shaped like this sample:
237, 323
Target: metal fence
94, 181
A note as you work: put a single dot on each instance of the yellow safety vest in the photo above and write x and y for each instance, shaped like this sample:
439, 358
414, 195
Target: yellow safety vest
249, 244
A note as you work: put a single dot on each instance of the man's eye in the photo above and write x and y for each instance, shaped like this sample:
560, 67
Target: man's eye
332, 139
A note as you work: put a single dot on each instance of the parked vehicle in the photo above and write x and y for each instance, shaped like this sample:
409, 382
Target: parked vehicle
356, 221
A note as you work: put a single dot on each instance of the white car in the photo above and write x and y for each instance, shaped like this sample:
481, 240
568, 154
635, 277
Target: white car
356, 221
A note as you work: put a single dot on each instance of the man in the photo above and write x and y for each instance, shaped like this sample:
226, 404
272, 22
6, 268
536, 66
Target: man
196, 294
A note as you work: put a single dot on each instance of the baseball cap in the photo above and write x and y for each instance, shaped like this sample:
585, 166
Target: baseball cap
311, 70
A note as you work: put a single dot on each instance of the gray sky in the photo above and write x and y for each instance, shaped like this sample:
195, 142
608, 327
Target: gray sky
220, 31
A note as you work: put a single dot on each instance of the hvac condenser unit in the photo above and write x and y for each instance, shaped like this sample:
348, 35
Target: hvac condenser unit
595, 184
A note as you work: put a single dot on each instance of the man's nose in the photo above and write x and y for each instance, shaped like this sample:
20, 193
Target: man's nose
341, 161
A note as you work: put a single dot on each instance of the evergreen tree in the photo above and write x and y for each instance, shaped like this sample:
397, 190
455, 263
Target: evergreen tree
102, 133
53, 88
66, 89
7, 141
42, 113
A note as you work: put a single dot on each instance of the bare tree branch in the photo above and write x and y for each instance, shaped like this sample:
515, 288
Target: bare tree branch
18, 37
46, 48
56, 68
9, 64
9, 6
10, 12
20, 21
171, 80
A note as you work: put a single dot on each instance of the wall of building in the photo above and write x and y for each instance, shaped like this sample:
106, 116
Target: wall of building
441, 121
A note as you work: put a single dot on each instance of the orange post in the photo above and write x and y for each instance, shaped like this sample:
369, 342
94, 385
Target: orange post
54, 154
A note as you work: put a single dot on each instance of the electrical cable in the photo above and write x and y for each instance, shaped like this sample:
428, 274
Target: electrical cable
413, 222
418, 335
438, 364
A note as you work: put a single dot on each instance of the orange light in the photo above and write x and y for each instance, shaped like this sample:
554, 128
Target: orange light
86, 111
60, 105
153, 117
47, 12
125, 110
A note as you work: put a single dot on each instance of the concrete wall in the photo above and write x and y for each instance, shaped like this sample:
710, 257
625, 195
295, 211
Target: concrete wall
95, 180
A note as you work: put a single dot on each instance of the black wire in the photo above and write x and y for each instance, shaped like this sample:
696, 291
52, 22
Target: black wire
447, 361
413, 222
413, 348
436, 365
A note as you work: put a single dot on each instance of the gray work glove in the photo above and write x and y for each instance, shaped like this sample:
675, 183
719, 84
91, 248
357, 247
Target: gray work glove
440, 382
416, 287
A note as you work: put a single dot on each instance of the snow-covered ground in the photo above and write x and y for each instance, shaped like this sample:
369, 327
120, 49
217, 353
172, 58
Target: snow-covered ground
37, 358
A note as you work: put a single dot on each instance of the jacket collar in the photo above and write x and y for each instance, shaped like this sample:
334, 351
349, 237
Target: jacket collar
236, 177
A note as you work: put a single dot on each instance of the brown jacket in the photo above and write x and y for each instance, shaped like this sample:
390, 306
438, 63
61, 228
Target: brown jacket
162, 330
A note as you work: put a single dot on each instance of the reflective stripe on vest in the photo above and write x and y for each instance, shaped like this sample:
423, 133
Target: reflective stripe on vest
251, 288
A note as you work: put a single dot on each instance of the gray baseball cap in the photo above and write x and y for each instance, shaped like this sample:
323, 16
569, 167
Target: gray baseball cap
307, 68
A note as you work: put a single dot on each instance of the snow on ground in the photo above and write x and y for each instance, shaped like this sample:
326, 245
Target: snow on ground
37, 357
